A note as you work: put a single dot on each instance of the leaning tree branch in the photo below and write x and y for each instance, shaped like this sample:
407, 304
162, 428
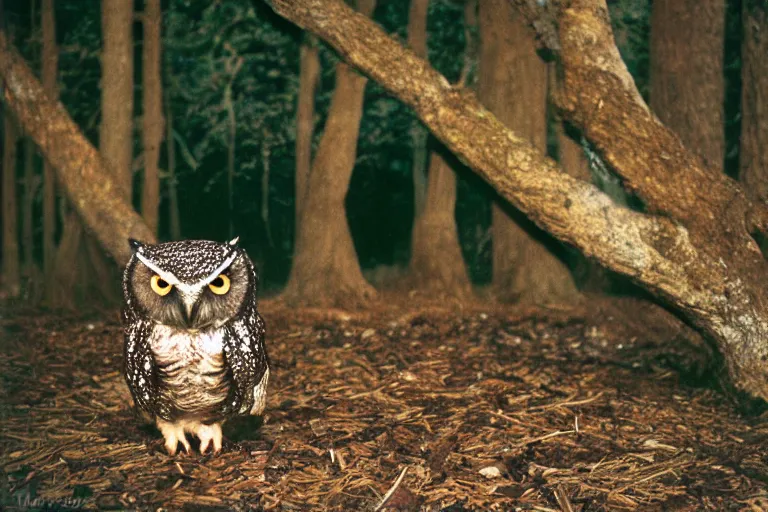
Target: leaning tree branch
79, 167
657, 250
588, 55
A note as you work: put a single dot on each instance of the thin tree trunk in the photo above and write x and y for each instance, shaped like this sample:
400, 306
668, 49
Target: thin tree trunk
417, 40
61, 288
173, 196
309, 74
437, 264
691, 249
754, 101
82, 173
27, 217
231, 144
11, 276
50, 58
513, 85
115, 132
30, 189
116, 128
152, 120
687, 85
325, 268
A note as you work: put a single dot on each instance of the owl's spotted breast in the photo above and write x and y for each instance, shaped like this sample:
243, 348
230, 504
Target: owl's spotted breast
191, 371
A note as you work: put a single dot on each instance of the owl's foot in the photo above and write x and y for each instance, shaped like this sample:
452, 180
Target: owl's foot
208, 433
173, 434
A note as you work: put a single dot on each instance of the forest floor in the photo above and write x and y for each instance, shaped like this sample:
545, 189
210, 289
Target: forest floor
413, 407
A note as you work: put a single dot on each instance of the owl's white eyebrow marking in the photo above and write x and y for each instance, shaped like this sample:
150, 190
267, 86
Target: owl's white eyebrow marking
167, 276
189, 288
218, 270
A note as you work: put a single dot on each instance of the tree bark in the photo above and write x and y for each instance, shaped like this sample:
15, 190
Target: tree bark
437, 264
754, 101
152, 119
513, 85
309, 75
11, 275
687, 84
692, 249
116, 128
50, 58
325, 268
81, 171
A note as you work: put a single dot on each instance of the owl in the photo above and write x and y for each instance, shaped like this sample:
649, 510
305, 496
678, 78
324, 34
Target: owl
194, 340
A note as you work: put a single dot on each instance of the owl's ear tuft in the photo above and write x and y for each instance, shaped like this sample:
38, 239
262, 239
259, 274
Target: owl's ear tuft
135, 244
234, 241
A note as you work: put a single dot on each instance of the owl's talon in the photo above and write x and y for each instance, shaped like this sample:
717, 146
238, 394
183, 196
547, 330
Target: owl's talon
173, 434
208, 433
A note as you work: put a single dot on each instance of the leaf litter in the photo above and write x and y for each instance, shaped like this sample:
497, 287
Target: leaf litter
399, 408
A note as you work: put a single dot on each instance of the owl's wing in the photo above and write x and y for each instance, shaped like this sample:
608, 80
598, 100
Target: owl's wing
246, 357
140, 367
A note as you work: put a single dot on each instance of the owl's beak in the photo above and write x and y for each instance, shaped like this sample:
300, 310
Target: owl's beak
190, 310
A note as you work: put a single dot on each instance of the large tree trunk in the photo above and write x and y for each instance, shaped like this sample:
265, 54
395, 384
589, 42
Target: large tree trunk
687, 84
325, 267
692, 249
50, 58
754, 101
81, 171
11, 276
513, 85
309, 75
152, 119
437, 264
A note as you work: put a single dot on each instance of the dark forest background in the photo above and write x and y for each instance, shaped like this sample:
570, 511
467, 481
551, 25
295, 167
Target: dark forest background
227, 163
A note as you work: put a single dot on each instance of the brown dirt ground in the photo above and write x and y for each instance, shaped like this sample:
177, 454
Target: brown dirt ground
475, 408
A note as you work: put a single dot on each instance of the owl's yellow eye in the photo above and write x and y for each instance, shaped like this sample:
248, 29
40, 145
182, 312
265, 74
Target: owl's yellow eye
220, 285
160, 286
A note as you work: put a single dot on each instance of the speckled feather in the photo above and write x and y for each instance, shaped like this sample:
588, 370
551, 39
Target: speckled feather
246, 359
189, 260
242, 336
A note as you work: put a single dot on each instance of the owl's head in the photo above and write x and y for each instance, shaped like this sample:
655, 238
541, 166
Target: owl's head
190, 284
